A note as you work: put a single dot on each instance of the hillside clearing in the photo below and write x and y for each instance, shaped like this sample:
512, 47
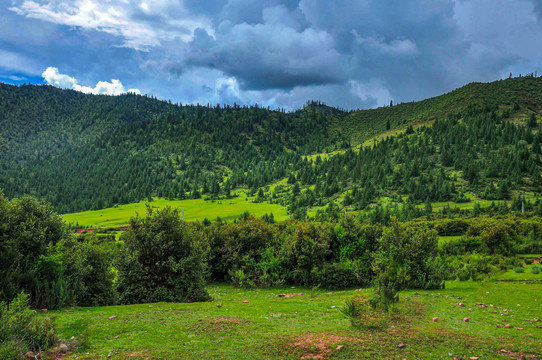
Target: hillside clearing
194, 210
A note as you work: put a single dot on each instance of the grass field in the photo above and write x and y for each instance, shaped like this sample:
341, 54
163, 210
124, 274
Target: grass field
309, 325
194, 210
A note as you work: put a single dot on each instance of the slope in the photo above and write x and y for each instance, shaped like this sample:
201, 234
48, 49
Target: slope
83, 152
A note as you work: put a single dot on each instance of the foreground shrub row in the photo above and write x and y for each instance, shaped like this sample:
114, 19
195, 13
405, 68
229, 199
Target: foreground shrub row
162, 258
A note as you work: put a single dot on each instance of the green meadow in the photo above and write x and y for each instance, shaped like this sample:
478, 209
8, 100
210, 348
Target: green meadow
194, 210
308, 324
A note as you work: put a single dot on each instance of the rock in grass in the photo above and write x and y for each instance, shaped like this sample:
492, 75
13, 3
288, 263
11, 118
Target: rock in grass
400, 346
466, 319
435, 319
112, 317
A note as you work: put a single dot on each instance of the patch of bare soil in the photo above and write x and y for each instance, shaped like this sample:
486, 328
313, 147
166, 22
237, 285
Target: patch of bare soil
320, 346
518, 355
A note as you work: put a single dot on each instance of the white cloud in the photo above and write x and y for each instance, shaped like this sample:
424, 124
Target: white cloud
16, 78
141, 24
52, 76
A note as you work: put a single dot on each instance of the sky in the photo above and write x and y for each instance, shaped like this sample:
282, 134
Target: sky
278, 53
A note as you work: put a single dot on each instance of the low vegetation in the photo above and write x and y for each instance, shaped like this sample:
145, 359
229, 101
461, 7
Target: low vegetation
163, 259
22, 331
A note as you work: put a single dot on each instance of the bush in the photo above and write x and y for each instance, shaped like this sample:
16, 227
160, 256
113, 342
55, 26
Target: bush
22, 331
335, 276
451, 227
245, 246
536, 269
306, 246
475, 267
461, 246
28, 229
496, 238
89, 265
404, 260
161, 261
519, 269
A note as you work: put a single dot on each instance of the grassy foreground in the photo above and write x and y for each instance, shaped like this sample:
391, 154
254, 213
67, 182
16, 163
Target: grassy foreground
309, 325
194, 209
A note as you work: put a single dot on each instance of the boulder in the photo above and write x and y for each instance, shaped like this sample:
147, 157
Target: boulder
62, 348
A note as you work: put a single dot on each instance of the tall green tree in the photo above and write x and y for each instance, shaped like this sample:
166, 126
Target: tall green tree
161, 261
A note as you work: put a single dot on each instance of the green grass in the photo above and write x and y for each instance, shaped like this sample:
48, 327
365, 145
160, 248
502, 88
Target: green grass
194, 210
527, 275
269, 327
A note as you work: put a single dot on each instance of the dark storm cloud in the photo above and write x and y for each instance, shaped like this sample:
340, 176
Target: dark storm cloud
270, 55
415, 48
349, 53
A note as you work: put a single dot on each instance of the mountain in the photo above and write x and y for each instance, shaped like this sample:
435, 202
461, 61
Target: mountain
83, 152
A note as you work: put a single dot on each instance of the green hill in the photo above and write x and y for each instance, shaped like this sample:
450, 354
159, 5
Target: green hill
86, 152
366, 124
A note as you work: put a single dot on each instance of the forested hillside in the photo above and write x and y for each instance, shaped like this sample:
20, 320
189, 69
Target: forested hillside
83, 152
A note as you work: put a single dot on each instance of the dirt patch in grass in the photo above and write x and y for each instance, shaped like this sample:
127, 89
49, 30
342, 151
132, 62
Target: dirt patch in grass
519, 355
320, 346
219, 324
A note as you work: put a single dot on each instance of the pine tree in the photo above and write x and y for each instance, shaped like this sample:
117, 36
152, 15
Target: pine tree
532, 121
